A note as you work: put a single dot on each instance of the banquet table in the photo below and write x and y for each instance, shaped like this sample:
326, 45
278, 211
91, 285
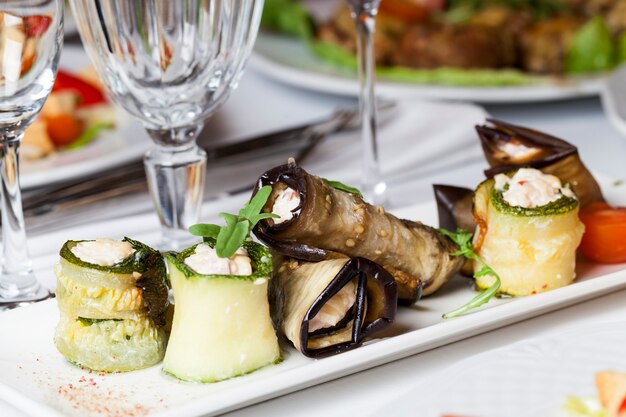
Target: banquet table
262, 104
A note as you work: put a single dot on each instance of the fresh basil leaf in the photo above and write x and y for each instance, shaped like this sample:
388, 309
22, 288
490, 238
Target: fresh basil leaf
231, 239
256, 204
205, 230
258, 217
343, 187
231, 219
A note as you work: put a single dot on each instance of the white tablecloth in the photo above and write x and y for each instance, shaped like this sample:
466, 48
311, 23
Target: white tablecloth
582, 122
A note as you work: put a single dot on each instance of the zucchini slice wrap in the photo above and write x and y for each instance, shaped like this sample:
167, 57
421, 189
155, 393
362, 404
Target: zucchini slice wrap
532, 249
222, 326
112, 317
331, 306
329, 221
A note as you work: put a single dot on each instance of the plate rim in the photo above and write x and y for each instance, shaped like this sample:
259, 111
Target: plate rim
587, 86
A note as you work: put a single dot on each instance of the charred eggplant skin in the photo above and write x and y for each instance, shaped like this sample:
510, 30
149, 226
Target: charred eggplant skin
454, 207
412, 252
374, 310
554, 156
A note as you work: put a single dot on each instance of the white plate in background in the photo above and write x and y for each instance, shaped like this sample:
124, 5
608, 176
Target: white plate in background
128, 141
290, 61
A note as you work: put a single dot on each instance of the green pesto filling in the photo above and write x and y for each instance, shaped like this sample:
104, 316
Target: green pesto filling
259, 254
88, 322
561, 206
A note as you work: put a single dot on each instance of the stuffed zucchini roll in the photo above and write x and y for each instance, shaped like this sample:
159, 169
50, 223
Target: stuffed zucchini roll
331, 306
508, 147
317, 219
113, 297
527, 231
222, 326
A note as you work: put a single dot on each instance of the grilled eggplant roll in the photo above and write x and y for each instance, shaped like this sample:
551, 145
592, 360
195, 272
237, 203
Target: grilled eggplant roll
331, 306
454, 207
508, 147
317, 219
222, 326
528, 231
113, 299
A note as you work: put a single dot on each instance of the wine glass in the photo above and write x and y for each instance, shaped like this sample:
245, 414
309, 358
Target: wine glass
170, 64
364, 14
31, 35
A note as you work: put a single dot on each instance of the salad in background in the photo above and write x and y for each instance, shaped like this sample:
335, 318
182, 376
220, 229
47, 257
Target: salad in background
74, 114
469, 42
611, 402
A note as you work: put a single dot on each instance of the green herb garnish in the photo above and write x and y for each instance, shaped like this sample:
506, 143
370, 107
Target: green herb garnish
88, 322
90, 134
229, 238
343, 187
463, 239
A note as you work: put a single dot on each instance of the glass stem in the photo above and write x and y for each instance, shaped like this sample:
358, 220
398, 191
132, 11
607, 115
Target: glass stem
17, 279
373, 186
176, 171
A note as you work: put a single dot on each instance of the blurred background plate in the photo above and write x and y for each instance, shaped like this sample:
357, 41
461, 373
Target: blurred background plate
290, 61
128, 141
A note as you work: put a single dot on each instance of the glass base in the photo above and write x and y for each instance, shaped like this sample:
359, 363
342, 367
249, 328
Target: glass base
10, 297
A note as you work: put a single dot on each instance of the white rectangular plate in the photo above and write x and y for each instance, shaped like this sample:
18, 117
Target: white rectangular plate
35, 378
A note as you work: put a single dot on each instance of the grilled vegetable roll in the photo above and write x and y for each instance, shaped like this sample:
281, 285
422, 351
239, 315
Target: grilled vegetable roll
508, 147
317, 219
330, 306
454, 207
113, 298
222, 326
528, 231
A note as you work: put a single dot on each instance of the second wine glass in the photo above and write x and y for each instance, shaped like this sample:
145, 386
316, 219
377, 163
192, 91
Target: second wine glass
364, 13
170, 64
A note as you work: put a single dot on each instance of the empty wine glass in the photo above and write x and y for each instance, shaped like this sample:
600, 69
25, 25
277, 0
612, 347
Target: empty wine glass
170, 64
30, 42
364, 14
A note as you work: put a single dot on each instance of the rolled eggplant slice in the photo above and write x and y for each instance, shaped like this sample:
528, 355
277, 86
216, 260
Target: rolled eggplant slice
508, 147
331, 306
454, 207
322, 220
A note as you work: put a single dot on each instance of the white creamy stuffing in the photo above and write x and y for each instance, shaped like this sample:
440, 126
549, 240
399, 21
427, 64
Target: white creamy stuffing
103, 252
530, 188
517, 150
206, 262
286, 201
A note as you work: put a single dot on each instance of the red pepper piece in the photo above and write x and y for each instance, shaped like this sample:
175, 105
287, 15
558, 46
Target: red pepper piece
88, 93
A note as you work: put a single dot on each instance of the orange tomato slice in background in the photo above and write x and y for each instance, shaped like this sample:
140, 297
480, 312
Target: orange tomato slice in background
605, 233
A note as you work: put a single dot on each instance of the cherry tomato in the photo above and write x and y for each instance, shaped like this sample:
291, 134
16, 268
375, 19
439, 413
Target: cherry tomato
64, 129
89, 93
410, 10
605, 233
